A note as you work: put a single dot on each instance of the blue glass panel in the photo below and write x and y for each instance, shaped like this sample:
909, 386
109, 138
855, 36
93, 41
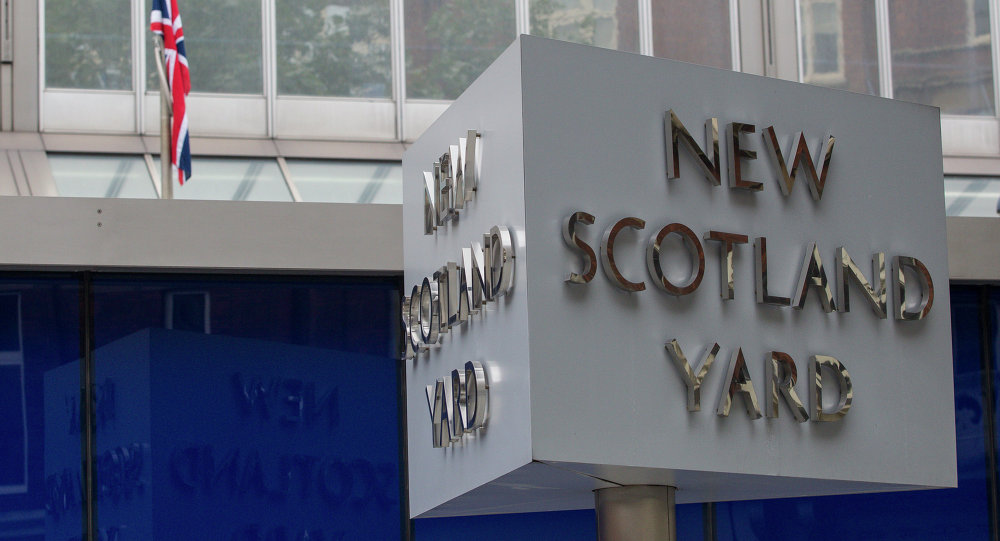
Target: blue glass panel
247, 410
576, 525
960, 513
39, 409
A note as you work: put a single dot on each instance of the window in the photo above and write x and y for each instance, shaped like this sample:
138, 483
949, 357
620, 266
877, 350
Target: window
234, 179
329, 48
450, 42
838, 44
223, 42
933, 60
347, 182
88, 45
693, 31
78, 175
972, 196
613, 24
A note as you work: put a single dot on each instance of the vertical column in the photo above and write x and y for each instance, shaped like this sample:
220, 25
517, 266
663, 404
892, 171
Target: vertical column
636, 513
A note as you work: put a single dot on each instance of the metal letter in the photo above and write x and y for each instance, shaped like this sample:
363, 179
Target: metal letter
608, 254
413, 321
726, 260
738, 382
501, 267
781, 376
477, 395
430, 210
812, 274
656, 270
471, 157
457, 175
428, 314
786, 180
926, 288
464, 295
475, 274
848, 271
675, 133
737, 153
760, 268
692, 380
577, 244
438, 405
442, 199
440, 286
816, 364
459, 400
408, 349
458, 300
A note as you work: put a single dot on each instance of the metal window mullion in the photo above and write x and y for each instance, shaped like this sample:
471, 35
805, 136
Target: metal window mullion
884, 47
734, 35
287, 176
522, 16
767, 17
269, 65
995, 50
646, 27
397, 39
799, 41
88, 426
41, 65
138, 61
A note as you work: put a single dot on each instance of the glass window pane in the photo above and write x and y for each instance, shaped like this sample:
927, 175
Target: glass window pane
78, 175
347, 182
450, 42
88, 44
224, 47
275, 416
693, 31
838, 44
613, 24
40, 490
972, 196
941, 55
233, 179
333, 48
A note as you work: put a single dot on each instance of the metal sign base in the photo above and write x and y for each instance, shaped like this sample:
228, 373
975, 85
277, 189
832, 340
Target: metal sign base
634, 513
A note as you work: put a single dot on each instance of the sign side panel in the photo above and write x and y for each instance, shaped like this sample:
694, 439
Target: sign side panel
605, 391
498, 335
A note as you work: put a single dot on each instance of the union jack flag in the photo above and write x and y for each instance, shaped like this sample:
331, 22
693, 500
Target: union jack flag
165, 20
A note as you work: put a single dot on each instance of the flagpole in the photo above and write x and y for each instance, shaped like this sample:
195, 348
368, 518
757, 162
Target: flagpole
166, 169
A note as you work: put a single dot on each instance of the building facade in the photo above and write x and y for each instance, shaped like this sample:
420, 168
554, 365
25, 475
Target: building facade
162, 373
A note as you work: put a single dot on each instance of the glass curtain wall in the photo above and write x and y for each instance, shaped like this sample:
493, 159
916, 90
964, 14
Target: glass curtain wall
41, 485
940, 51
225, 408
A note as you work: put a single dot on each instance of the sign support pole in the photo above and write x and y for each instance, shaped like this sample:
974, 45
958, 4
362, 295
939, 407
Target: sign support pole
636, 512
166, 107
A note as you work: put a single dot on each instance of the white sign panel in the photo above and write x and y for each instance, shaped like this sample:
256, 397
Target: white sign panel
623, 269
